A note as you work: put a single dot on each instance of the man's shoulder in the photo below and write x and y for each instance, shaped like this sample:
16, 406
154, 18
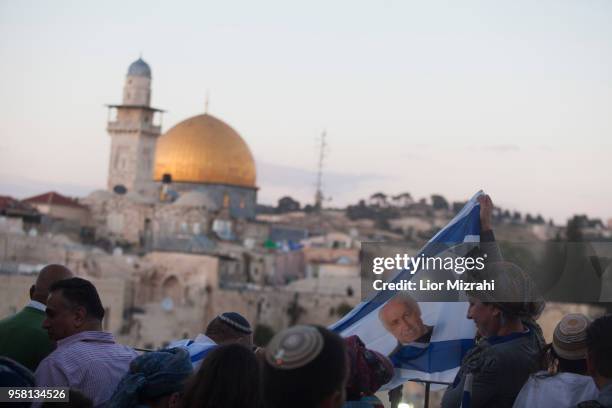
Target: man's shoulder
506, 358
29, 315
112, 349
521, 348
68, 354
54, 360
492, 358
74, 355
14, 318
124, 350
24, 325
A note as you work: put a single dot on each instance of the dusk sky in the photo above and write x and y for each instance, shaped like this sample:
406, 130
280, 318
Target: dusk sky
513, 97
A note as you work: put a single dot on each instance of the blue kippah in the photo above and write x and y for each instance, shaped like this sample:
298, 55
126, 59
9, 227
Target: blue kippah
236, 321
153, 375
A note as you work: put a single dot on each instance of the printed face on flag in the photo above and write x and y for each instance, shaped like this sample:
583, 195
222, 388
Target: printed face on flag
401, 316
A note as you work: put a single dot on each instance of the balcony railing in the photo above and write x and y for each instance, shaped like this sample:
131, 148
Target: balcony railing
133, 127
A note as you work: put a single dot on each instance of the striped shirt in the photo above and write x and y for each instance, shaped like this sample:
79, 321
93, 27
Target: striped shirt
90, 362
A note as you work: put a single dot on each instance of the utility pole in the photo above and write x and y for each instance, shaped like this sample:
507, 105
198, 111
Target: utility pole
319, 192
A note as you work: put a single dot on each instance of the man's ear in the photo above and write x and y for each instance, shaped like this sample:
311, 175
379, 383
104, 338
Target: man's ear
246, 340
32, 289
495, 310
80, 316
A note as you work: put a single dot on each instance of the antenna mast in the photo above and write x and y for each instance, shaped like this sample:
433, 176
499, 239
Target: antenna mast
319, 192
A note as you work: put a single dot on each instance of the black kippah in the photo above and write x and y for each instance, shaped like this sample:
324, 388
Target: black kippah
236, 321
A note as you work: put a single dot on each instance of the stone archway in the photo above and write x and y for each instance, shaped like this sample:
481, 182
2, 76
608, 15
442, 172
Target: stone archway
171, 288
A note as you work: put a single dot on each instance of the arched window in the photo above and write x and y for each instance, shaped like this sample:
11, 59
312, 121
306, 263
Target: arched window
171, 288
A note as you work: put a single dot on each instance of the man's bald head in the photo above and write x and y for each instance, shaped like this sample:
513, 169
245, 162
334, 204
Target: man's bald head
47, 277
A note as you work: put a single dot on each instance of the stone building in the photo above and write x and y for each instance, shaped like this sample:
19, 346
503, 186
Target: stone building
55, 205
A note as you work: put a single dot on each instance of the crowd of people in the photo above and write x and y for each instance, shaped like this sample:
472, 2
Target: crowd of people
57, 341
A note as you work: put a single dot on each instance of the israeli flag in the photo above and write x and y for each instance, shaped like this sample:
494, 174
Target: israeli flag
451, 334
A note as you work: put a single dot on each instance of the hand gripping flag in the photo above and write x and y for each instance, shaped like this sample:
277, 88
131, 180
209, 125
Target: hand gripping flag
451, 335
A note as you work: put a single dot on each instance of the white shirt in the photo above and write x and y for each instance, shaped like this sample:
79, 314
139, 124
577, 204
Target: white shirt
37, 305
556, 391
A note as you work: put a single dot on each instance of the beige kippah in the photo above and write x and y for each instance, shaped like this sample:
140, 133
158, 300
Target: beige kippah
294, 347
569, 338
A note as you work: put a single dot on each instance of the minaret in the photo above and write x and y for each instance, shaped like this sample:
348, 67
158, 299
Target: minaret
133, 134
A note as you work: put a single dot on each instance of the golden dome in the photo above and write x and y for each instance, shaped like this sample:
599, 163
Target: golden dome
204, 149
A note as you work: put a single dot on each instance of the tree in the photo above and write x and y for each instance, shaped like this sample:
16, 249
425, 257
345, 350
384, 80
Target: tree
262, 335
343, 308
378, 199
457, 206
438, 202
403, 199
360, 211
573, 230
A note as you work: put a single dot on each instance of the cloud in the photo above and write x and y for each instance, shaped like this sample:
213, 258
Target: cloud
276, 181
21, 187
501, 148
286, 176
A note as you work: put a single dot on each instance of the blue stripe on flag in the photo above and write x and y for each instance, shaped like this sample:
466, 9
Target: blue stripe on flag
200, 355
438, 356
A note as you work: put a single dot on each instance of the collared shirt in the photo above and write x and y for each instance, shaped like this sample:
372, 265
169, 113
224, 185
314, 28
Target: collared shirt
90, 362
543, 390
198, 348
493, 340
37, 305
